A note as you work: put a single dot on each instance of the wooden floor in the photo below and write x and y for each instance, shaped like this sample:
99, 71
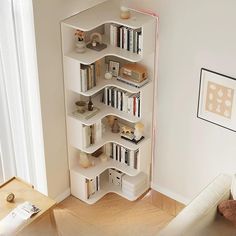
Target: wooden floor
111, 216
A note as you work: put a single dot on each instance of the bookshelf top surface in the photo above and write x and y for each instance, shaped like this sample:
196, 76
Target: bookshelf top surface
106, 12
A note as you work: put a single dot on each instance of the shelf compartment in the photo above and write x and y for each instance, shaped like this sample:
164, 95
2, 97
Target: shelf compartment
100, 167
105, 111
74, 128
90, 56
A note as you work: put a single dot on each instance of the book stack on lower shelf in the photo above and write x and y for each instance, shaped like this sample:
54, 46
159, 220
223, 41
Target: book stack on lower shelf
123, 155
93, 185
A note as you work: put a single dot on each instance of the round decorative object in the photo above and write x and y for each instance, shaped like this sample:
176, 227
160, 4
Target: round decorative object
124, 13
103, 157
108, 75
96, 38
10, 197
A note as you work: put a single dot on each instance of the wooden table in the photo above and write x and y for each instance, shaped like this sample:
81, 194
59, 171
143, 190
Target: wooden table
25, 192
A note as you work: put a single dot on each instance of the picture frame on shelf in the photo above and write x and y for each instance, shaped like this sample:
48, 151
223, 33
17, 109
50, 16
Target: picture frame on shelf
114, 68
217, 99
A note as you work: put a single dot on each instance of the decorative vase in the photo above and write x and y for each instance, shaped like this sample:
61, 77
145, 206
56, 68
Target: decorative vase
84, 160
115, 127
90, 105
124, 13
80, 46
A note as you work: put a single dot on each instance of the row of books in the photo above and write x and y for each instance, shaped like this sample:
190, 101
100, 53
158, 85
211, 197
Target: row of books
92, 133
89, 75
93, 185
123, 155
126, 38
122, 100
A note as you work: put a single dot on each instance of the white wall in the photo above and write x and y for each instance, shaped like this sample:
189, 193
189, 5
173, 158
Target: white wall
190, 151
48, 15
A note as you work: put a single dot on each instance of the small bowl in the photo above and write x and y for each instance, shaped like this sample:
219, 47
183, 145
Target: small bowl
81, 106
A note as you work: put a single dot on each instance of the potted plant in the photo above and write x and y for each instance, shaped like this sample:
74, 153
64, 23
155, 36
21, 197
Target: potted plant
79, 42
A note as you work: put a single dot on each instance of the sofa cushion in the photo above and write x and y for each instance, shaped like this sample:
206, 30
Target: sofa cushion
228, 209
233, 187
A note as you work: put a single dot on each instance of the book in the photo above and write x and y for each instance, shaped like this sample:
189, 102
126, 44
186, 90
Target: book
83, 77
132, 83
87, 114
86, 135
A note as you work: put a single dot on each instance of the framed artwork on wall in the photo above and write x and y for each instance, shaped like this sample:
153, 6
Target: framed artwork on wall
217, 99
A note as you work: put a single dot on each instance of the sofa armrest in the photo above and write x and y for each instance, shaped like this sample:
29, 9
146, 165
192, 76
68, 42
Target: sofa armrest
201, 211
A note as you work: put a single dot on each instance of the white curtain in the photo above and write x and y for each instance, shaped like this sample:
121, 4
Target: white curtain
21, 93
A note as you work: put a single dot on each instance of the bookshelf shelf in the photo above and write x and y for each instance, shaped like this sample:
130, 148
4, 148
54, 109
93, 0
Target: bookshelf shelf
91, 55
108, 137
85, 72
109, 188
90, 19
100, 167
105, 111
102, 83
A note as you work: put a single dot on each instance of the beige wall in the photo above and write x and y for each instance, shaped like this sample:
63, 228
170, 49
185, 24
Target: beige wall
190, 151
48, 15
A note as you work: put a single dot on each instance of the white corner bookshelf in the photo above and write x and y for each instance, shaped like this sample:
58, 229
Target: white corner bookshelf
127, 169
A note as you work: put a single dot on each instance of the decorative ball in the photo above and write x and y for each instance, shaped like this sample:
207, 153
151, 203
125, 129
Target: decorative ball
10, 197
108, 75
103, 157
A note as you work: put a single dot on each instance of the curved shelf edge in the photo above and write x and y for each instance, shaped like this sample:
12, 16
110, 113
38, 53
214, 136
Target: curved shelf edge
100, 167
103, 83
112, 189
119, 141
106, 111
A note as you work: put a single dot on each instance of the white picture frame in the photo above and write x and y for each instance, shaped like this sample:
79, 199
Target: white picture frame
114, 68
217, 99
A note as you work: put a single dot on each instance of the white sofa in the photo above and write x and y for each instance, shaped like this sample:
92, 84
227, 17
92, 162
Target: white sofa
200, 217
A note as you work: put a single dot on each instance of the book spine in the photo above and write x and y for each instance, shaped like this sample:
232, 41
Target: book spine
125, 38
123, 155
114, 151
140, 43
125, 102
106, 95
86, 136
111, 34
84, 79
131, 159
115, 29
108, 149
131, 39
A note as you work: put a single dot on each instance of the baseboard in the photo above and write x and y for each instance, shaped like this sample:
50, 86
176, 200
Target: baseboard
170, 194
63, 196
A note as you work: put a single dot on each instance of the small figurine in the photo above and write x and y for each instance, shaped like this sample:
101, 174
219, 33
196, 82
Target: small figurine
90, 105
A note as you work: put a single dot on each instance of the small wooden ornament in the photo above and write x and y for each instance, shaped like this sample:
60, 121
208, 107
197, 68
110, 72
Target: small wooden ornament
10, 197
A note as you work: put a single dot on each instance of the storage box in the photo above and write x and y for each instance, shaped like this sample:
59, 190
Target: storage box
115, 177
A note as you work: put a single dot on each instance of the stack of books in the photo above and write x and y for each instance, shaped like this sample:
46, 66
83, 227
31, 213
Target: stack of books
91, 134
87, 114
89, 75
93, 185
123, 155
122, 100
126, 38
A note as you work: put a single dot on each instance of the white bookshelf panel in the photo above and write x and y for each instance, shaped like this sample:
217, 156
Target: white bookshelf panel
72, 74
78, 185
74, 132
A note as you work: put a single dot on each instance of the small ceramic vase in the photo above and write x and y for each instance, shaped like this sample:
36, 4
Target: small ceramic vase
80, 46
84, 160
81, 106
90, 105
110, 120
108, 75
124, 13
115, 127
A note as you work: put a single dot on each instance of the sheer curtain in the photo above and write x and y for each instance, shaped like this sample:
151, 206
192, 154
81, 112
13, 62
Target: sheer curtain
19, 83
